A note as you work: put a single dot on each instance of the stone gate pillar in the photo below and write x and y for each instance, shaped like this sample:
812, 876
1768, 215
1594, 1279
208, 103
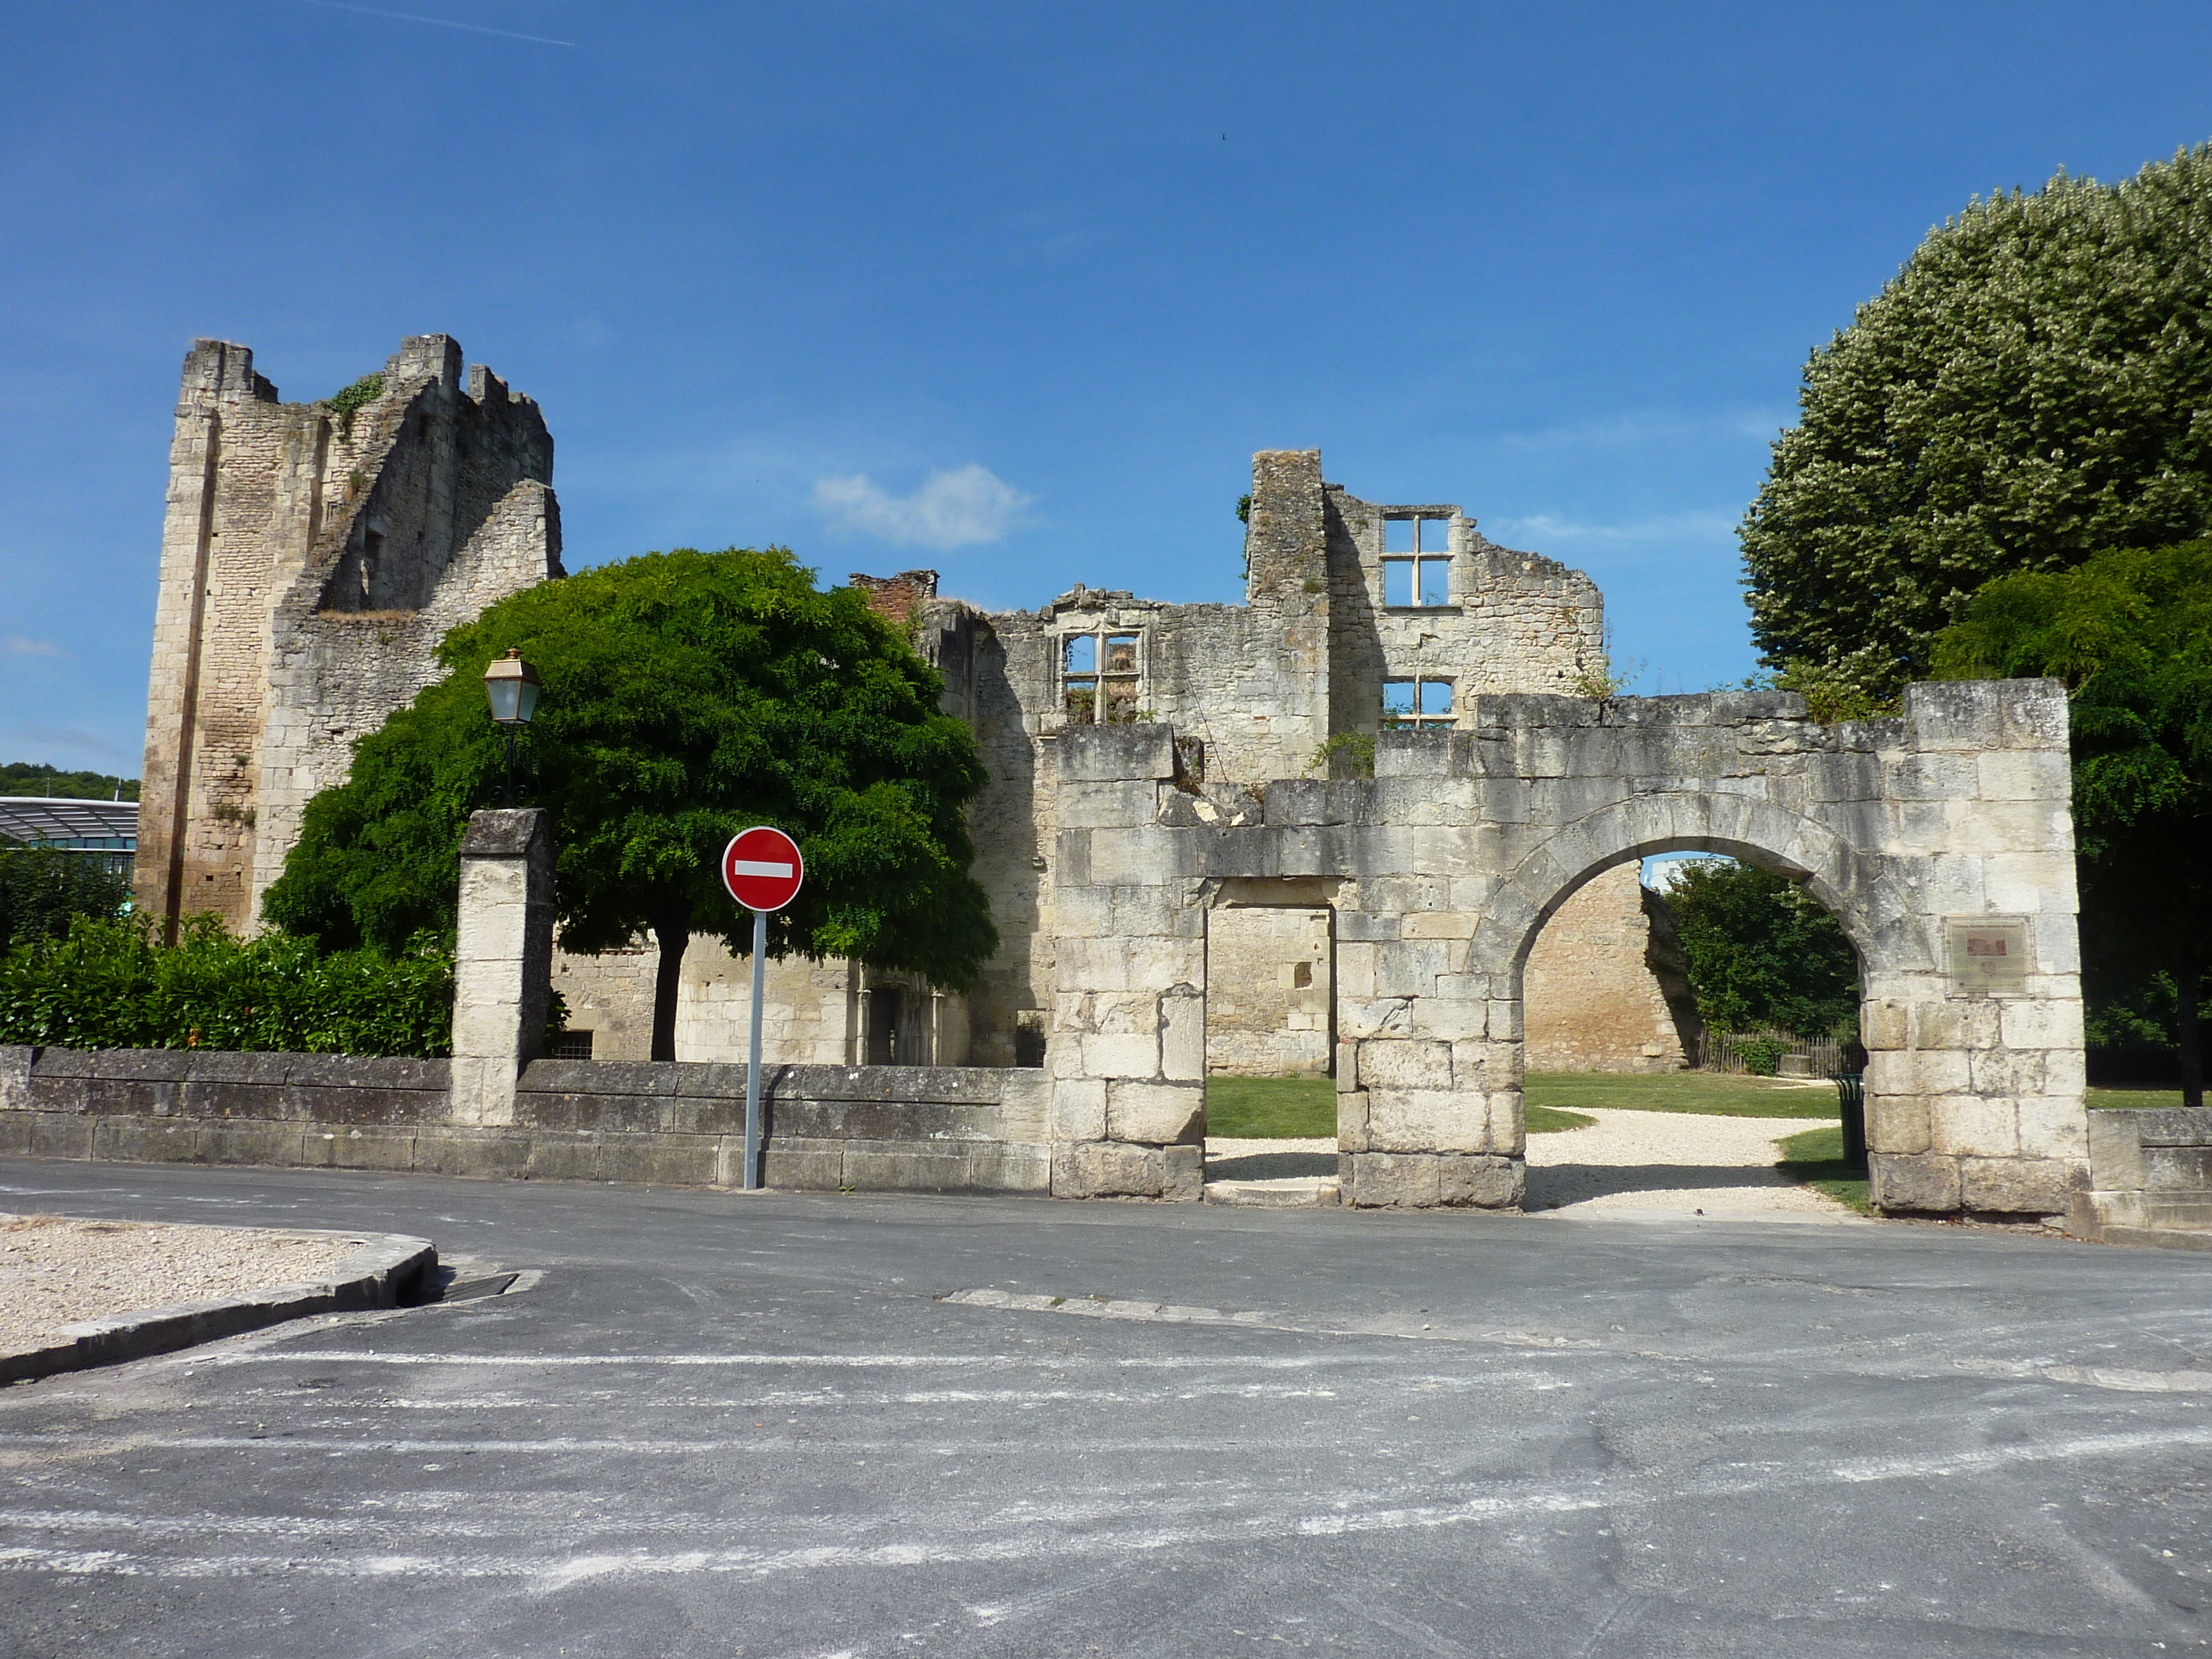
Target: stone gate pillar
1128, 1048
502, 960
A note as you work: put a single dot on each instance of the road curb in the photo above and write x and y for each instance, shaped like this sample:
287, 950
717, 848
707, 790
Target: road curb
375, 1276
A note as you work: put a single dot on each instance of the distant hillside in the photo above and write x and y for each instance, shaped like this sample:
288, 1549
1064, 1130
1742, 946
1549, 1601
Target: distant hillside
27, 778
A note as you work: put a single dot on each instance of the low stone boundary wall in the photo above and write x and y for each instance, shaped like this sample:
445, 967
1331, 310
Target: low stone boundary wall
893, 1129
2151, 1170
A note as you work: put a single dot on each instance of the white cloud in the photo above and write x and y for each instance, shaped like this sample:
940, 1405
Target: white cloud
950, 509
19, 646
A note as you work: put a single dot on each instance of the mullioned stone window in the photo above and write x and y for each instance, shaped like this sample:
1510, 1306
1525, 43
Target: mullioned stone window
1418, 702
1101, 677
1416, 564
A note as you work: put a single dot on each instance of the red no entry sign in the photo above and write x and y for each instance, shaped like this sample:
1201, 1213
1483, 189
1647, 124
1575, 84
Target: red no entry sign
761, 868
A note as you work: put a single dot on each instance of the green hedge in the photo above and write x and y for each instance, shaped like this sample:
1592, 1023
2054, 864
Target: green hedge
108, 985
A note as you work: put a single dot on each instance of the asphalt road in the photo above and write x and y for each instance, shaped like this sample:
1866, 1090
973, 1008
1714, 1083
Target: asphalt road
730, 1425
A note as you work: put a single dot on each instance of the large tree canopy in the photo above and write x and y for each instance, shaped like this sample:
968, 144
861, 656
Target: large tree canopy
2033, 387
2130, 633
687, 696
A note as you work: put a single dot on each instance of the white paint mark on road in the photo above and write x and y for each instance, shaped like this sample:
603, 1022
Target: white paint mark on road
1028, 1541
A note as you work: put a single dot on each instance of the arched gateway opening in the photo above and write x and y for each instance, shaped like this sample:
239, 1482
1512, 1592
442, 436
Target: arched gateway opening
1941, 841
1634, 1104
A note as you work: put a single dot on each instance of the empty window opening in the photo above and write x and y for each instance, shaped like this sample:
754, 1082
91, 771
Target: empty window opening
1417, 563
1417, 702
1100, 677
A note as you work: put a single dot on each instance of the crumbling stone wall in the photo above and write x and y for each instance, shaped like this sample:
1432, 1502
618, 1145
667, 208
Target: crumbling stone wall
310, 563
1252, 691
1512, 622
1608, 986
1941, 841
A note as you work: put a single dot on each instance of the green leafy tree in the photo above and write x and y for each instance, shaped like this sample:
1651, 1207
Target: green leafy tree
1762, 953
2130, 633
43, 889
2034, 386
688, 695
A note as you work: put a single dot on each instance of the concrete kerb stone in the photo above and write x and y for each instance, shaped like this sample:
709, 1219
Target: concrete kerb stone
376, 1276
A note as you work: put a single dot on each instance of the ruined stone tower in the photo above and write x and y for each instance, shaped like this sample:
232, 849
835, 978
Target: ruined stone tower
313, 556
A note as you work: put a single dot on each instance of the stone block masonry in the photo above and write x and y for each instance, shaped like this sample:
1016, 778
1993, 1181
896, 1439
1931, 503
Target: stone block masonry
502, 960
1607, 986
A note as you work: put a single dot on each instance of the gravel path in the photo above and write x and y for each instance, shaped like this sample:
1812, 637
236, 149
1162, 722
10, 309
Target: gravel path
1649, 1163
56, 1270
1627, 1162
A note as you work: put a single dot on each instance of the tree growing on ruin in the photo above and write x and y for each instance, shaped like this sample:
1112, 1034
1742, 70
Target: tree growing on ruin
687, 697
2130, 634
2034, 387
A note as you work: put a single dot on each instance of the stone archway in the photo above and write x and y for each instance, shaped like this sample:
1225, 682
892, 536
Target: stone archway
1943, 840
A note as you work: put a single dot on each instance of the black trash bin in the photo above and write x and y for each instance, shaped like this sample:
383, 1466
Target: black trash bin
1850, 1096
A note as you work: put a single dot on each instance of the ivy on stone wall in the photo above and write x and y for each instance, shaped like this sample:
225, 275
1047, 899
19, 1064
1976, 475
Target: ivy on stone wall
354, 398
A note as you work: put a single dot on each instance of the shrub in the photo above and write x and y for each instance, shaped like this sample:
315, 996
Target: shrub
1358, 748
1762, 1056
108, 985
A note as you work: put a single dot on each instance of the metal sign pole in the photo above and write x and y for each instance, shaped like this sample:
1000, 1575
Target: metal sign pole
752, 1068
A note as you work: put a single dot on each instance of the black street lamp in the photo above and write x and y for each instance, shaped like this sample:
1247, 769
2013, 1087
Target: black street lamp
511, 687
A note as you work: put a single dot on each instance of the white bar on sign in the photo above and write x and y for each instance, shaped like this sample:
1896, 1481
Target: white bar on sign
757, 867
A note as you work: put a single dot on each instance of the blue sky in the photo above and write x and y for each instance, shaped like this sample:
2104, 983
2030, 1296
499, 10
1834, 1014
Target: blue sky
1013, 291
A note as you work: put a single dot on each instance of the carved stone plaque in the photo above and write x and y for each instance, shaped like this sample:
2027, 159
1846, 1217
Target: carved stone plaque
1988, 955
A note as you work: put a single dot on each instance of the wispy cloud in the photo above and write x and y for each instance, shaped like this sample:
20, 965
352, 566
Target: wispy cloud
19, 646
950, 509
435, 23
1544, 528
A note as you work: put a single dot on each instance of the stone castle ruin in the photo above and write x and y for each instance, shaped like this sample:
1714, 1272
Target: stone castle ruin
1352, 826
312, 557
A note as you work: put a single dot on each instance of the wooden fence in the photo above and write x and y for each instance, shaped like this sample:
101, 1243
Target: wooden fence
1723, 1051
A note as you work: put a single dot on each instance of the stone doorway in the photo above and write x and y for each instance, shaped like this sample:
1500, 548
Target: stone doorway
1270, 1049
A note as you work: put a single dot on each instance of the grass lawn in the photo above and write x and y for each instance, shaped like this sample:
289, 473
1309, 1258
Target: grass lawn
1717, 1093
1816, 1158
1305, 1109
2132, 1095
1272, 1107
